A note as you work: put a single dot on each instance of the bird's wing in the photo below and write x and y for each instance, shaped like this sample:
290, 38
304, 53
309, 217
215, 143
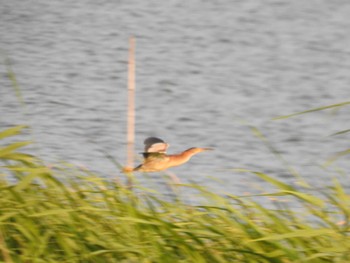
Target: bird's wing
154, 155
153, 145
154, 162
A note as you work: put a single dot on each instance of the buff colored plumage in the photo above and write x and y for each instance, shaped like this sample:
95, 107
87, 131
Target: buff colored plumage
156, 159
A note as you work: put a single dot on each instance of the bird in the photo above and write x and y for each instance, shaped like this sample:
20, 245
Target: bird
156, 159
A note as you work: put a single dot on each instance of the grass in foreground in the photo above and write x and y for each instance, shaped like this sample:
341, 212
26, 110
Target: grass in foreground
50, 216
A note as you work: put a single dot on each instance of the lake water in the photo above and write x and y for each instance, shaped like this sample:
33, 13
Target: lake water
203, 69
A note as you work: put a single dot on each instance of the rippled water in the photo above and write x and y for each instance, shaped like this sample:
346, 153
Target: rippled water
202, 68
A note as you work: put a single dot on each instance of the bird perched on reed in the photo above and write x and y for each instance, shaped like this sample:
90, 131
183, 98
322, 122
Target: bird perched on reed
156, 159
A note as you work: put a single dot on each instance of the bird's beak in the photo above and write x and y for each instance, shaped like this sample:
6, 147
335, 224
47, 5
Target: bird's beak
207, 149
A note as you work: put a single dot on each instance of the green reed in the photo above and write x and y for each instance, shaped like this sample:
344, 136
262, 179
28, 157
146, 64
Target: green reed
68, 215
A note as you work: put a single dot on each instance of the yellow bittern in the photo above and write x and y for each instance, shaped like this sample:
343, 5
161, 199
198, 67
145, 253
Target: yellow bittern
156, 159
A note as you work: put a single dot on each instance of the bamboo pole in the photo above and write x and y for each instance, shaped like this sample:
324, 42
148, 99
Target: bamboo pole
131, 105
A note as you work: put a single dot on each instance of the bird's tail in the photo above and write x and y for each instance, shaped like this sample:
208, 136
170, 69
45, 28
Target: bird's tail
127, 169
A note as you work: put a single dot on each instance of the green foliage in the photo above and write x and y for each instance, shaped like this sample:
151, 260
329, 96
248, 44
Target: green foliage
60, 215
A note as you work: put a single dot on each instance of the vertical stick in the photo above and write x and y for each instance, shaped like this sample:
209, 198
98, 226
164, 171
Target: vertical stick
131, 105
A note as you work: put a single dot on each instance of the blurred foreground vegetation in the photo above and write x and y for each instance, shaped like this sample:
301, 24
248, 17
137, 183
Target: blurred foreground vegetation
65, 215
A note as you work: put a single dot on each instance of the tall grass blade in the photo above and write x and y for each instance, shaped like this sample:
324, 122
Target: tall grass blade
335, 157
296, 233
337, 105
12, 77
12, 131
340, 132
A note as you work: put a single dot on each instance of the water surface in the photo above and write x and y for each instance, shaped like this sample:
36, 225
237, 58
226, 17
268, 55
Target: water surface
204, 68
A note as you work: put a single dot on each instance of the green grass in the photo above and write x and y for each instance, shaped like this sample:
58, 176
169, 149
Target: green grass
67, 215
